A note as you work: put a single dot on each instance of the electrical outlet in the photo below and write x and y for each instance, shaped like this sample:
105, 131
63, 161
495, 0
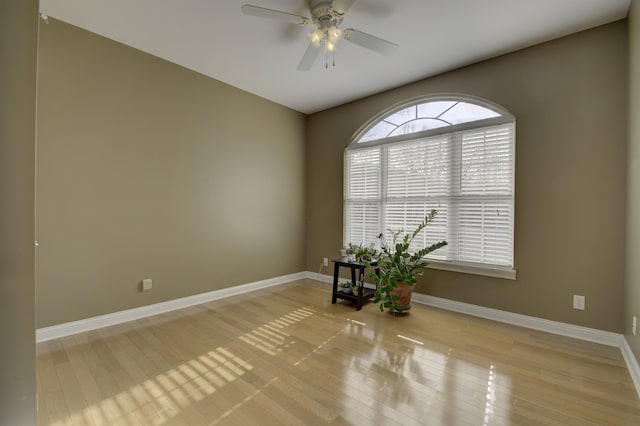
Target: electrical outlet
634, 325
578, 302
325, 261
147, 285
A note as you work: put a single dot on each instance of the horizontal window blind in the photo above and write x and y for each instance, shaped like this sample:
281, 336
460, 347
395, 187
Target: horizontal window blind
362, 182
468, 176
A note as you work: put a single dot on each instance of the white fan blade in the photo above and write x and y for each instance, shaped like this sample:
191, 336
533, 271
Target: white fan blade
274, 14
342, 6
308, 58
370, 42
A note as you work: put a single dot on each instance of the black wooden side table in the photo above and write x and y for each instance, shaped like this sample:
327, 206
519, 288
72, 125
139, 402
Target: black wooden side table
364, 293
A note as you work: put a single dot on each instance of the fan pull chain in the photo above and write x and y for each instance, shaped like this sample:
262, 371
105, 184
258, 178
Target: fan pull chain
326, 59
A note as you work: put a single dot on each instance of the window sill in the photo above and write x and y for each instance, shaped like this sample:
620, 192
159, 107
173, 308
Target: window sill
497, 272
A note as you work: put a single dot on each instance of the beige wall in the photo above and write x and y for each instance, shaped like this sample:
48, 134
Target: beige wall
119, 200
632, 277
569, 99
149, 170
18, 53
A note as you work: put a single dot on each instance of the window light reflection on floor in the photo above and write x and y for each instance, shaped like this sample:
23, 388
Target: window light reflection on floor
490, 399
417, 342
180, 387
157, 400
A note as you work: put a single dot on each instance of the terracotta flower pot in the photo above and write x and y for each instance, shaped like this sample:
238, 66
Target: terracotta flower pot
404, 293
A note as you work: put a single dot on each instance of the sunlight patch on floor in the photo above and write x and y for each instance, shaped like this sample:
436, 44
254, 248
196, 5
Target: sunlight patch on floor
190, 382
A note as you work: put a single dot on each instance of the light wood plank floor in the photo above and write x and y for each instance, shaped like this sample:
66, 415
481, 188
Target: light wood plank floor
285, 355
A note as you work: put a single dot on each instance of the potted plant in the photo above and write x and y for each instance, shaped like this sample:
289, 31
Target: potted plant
346, 287
362, 253
399, 268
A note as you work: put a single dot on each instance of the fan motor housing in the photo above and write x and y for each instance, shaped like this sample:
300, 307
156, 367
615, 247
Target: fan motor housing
321, 10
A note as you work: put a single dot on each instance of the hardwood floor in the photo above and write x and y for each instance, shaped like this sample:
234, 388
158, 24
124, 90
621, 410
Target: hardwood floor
285, 355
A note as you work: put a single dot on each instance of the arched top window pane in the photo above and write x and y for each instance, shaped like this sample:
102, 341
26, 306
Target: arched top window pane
379, 131
426, 116
402, 116
434, 108
463, 112
418, 125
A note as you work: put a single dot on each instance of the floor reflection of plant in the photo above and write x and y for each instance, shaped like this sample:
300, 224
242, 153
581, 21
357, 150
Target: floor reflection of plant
395, 372
402, 373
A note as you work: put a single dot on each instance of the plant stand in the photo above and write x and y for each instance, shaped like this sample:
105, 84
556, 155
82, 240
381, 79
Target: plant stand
364, 293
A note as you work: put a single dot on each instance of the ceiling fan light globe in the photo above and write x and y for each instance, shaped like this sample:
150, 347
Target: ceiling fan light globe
314, 39
334, 33
329, 46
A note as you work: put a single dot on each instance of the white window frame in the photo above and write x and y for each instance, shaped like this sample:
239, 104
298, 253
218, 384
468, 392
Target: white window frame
504, 119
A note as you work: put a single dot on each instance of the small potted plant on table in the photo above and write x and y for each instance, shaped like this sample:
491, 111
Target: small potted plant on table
361, 253
346, 287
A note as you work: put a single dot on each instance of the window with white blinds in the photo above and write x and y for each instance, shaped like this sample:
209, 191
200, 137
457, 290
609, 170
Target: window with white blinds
464, 170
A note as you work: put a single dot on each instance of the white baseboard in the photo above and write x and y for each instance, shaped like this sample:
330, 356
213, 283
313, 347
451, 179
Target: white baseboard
632, 364
578, 332
328, 279
323, 278
94, 323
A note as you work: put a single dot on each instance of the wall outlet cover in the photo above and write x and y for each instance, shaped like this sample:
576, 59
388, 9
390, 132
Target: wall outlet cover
147, 284
578, 302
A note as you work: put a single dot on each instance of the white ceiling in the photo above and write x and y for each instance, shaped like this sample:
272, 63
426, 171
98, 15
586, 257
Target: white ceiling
260, 56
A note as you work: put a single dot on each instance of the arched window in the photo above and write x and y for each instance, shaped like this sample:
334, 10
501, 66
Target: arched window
453, 154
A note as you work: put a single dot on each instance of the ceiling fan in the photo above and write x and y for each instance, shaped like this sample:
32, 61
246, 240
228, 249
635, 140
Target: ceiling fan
326, 16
